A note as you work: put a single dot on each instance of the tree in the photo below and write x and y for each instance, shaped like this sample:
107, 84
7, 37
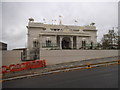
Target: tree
110, 40
118, 42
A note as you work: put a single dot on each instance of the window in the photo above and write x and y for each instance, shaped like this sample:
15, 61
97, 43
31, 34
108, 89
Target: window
35, 43
44, 28
48, 43
83, 43
75, 29
91, 45
56, 29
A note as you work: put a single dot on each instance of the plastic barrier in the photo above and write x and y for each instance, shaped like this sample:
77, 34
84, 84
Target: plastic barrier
33, 64
0, 70
12, 67
23, 66
4, 69
44, 63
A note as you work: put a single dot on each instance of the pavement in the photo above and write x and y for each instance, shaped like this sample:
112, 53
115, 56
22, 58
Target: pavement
99, 77
56, 68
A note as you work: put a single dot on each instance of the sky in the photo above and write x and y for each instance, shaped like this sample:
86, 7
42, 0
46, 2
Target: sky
15, 17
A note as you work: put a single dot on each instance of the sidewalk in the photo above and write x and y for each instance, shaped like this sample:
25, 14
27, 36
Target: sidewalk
59, 66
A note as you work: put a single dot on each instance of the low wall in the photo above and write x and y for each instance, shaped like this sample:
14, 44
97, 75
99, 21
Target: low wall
11, 57
58, 56
0, 57
62, 56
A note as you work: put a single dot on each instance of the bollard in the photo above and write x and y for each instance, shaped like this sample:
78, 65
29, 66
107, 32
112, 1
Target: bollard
88, 66
118, 61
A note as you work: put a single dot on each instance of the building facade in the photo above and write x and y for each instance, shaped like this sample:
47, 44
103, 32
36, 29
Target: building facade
3, 46
52, 36
23, 52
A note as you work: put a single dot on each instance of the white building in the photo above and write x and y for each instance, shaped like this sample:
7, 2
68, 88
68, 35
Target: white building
52, 36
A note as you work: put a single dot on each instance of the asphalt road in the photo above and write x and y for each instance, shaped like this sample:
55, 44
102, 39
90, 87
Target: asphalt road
99, 77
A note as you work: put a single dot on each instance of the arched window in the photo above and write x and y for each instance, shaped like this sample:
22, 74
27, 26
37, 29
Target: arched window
91, 44
48, 43
83, 43
35, 43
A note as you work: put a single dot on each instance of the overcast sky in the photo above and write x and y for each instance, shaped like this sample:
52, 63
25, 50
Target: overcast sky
15, 17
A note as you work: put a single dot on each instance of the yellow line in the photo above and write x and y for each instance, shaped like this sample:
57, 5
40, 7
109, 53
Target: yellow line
87, 67
1, 81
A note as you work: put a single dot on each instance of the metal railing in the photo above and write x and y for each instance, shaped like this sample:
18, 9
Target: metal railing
50, 45
55, 45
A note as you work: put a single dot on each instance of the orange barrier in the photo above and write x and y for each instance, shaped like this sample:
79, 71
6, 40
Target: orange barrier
4, 69
23, 66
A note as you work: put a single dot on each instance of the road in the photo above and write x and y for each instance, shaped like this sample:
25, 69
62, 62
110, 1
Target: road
99, 77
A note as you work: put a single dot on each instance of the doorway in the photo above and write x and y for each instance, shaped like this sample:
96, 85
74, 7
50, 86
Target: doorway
66, 43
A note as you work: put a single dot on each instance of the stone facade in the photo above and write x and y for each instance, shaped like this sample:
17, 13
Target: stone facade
52, 36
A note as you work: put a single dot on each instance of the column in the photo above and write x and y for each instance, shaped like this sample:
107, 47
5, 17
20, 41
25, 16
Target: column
40, 47
40, 41
61, 42
71, 42
28, 54
77, 42
28, 46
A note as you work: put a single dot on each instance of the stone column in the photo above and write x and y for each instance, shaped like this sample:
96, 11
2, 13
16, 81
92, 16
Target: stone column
71, 42
40, 41
77, 42
28, 46
28, 54
55, 44
40, 46
61, 42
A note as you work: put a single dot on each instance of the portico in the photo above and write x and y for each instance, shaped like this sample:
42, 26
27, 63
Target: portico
62, 41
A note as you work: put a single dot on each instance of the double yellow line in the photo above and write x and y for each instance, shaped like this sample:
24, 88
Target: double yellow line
88, 66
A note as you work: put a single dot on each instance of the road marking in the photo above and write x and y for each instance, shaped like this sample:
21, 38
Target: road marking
63, 70
0, 81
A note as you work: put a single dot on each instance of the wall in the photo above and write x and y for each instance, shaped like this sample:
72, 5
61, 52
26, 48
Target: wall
11, 57
93, 34
0, 57
32, 34
61, 56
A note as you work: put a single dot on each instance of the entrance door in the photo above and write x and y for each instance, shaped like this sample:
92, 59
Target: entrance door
66, 43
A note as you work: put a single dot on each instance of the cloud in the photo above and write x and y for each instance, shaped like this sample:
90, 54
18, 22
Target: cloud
15, 17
